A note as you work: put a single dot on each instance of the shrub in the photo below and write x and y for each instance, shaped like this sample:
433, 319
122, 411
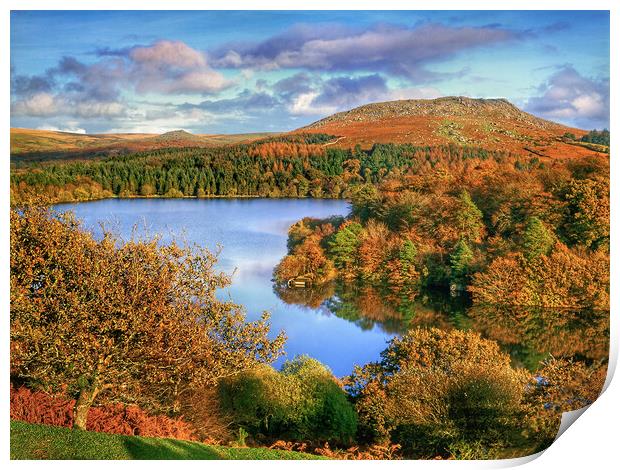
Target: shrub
438, 393
302, 402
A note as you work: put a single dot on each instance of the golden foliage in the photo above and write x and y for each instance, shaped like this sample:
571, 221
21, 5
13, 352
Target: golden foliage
137, 321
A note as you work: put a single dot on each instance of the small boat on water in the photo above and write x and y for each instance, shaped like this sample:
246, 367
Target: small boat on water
300, 282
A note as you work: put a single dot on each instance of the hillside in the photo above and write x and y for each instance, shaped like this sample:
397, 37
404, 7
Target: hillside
35, 144
495, 124
41, 442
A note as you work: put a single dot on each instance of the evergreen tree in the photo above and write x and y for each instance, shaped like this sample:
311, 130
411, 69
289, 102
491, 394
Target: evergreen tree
469, 218
407, 256
343, 245
460, 260
537, 239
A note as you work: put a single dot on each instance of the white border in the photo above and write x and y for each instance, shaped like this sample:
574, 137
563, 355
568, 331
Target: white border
591, 443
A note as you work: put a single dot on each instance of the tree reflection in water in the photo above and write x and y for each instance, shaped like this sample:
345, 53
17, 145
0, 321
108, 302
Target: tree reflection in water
528, 334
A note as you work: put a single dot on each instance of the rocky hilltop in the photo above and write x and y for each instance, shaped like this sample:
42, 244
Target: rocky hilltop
489, 123
446, 107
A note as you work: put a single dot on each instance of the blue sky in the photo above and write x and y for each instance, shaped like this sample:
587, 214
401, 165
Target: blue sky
238, 71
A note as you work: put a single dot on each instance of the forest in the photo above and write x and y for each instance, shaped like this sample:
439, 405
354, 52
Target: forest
287, 166
506, 231
131, 338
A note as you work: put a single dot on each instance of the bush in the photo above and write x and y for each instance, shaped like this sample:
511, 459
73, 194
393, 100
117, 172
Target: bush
302, 402
438, 393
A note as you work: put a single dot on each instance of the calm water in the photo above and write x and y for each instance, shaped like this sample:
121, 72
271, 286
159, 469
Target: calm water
340, 327
252, 233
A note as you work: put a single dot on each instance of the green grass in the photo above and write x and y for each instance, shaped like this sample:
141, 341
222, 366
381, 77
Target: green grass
38, 441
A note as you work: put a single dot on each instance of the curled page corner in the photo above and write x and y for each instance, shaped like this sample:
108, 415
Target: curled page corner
510, 463
568, 418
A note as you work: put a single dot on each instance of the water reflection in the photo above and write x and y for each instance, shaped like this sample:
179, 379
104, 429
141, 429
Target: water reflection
533, 333
528, 334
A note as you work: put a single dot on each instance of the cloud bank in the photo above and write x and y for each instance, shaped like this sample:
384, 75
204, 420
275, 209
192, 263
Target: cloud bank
398, 50
287, 79
73, 88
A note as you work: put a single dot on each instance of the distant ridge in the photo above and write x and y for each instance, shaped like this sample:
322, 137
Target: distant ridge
176, 136
494, 124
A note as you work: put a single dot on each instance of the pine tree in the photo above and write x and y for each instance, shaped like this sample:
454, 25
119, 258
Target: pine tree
537, 239
469, 218
460, 260
343, 246
407, 256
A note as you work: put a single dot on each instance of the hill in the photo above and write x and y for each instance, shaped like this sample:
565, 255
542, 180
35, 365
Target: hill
41, 442
35, 144
495, 124
180, 135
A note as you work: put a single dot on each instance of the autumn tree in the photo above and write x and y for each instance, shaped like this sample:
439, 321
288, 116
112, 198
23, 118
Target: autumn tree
587, 216
135, 322
563, 279
343, 246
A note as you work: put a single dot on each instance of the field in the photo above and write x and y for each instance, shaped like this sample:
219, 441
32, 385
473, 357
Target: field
36, 442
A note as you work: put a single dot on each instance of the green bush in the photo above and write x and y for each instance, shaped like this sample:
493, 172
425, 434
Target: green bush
301, 402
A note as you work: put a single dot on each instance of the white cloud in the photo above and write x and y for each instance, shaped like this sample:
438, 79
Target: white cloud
304, 105
39, 104
73, 130
572, 98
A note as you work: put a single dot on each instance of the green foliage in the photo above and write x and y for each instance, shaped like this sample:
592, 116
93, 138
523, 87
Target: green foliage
301, 402
460, 260
407, 255
283, 166
469, 218
537, 239
343, 245
365, 202
242, 435
597, 137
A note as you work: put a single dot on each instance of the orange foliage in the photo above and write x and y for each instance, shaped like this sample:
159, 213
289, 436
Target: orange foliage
286, 149
56, 410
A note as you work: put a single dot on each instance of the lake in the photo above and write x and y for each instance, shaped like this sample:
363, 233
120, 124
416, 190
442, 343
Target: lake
339, 326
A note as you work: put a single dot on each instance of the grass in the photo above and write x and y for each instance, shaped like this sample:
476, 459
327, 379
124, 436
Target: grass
38, 441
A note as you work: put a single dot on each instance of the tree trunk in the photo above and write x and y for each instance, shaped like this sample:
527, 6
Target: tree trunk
82, 405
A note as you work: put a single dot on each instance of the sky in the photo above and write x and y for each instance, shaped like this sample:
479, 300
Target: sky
217, 72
